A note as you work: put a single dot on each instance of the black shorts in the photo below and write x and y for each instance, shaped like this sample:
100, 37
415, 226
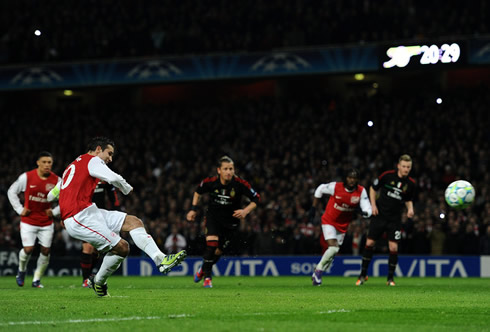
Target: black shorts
227, 231
380, 224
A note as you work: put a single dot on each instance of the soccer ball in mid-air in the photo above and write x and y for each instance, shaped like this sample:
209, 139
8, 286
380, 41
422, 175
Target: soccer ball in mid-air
460, 194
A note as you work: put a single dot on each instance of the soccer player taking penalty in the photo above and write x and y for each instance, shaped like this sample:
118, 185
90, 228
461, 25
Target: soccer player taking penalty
83, 220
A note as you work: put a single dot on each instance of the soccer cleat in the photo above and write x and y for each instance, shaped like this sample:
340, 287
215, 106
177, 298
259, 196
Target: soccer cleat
86, 284
20, 278
171, 261
316, 277
390, 282
361, 280
100, 290
198, 276
208, 283
37, 284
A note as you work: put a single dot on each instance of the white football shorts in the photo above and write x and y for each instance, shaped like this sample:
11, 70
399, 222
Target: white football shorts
29, 233
330, 233
96, 226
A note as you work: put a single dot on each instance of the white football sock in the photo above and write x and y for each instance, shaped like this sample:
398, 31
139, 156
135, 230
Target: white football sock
327, 258
23, 260
110, 264
145, 242
42, 265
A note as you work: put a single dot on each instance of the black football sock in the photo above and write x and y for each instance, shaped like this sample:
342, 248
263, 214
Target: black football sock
366, 260
209, 258
392, 261
86, 265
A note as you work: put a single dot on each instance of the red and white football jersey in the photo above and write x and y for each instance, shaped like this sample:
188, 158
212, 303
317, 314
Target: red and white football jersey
342, 204
77, 187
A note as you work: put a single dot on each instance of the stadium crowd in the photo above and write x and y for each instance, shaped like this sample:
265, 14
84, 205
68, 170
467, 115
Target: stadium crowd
82, 30
284, 148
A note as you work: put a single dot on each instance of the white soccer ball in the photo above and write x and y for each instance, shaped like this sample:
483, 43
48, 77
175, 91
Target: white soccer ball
460, 194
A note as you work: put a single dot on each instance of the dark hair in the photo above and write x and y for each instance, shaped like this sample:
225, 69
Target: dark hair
44, 154
101, 141
224, 159
353, 172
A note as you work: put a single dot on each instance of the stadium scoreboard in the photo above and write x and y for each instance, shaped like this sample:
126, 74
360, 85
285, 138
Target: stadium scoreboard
429, 55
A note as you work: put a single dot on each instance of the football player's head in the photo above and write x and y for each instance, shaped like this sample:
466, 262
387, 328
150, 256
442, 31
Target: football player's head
351, 178
44, 163
404, 165
226, 169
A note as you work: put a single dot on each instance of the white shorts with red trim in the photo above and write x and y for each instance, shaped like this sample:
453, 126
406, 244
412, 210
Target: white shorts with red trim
29, 233
96, 226
330, 233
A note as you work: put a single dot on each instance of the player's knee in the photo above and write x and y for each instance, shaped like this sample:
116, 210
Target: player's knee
45, 251
28, 250
121, 248
132, 222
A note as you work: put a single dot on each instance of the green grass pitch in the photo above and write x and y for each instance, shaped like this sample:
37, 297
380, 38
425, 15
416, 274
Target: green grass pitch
247, 304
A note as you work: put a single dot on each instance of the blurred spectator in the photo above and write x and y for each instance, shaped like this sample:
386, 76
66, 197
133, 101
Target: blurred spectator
175, 242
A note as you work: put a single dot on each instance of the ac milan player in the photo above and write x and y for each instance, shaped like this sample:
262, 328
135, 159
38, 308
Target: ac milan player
36, 215
396, 191
345, 198
223, 215
85, 221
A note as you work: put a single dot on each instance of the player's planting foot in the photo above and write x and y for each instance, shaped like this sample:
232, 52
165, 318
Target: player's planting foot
100, 290
361, 280
208, 283
390, 282
86, 284
199, 275
37, 284
317, 278
171, 261
20, 278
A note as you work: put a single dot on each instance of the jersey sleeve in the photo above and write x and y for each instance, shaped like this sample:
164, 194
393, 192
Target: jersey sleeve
204, 186
54, 194
98, 169
14, 190
325, 189
251, 193
365, 204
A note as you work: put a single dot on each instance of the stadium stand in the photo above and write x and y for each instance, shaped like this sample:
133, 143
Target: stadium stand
74, 30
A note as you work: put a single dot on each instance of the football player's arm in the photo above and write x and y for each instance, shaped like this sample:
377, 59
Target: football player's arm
323, 189
365, 204
13, 195
191, 215
254, 201
410, 212
372, 198
242, 213
98, 169
54, 195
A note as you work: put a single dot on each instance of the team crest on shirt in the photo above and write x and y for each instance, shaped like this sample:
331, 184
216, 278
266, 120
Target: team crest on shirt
232, 192
354, 199
49, 186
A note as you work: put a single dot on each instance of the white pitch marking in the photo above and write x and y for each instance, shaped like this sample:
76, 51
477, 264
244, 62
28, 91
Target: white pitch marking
98, 320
